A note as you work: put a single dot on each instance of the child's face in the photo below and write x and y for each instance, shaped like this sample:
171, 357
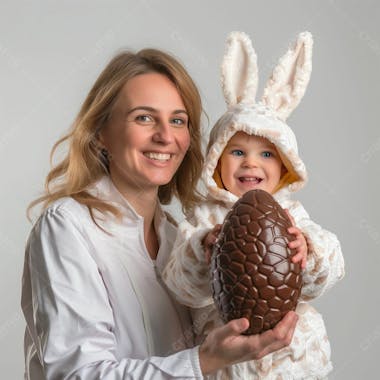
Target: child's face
250, 162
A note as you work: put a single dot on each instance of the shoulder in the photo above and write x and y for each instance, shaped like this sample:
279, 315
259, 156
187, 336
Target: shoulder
67, 206
63, 216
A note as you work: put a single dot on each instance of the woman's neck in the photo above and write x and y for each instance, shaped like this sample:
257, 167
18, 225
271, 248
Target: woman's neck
144, 201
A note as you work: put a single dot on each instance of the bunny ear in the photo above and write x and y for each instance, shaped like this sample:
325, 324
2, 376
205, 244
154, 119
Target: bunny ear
239, 70
289, 80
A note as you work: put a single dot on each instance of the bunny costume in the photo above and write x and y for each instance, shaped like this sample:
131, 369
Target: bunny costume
187, 273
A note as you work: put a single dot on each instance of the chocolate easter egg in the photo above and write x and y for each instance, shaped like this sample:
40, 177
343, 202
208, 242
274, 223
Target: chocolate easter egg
251, 268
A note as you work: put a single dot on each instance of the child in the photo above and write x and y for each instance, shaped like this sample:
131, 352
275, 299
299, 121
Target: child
252, 147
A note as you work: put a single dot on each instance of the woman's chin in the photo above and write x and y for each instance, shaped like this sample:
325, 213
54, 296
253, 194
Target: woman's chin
159, 180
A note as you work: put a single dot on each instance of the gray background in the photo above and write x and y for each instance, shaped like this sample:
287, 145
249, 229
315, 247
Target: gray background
51, 53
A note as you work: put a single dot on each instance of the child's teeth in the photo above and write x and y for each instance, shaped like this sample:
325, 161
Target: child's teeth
255, 179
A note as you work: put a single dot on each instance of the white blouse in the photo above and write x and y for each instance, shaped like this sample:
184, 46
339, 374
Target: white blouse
95, 304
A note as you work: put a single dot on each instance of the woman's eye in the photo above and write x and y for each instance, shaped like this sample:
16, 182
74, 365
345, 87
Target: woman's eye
179, 122
146, 119
267, 154
237, 152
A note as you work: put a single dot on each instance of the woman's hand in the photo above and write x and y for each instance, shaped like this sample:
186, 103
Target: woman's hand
225, 345
299, 244
209, 240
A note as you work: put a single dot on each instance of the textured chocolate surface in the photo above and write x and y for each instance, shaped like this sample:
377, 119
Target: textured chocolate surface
252, 273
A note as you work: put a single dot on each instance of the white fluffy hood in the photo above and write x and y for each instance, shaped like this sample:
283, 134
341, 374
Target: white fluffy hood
266, 118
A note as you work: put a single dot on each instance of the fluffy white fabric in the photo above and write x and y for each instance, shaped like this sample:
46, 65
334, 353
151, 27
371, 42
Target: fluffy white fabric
187, 273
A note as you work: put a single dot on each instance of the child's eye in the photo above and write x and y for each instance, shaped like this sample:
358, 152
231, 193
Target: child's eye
237, 152
267, 154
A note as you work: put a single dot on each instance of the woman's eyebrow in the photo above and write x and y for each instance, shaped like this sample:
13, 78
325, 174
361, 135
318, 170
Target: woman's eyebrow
151, 109
143, 108
180, 111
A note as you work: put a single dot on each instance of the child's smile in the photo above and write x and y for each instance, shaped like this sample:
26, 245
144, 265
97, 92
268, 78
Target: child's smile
253, 180
250, 162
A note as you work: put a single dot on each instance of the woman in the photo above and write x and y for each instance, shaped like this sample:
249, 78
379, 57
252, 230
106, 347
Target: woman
92, 296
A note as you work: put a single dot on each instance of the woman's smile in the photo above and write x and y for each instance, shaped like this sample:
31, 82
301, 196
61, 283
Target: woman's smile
148, 134
158, 156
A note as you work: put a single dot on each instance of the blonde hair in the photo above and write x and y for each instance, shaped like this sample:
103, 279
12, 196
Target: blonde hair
84, 163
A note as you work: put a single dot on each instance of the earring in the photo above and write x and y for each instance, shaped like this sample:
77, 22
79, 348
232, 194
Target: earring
104, 153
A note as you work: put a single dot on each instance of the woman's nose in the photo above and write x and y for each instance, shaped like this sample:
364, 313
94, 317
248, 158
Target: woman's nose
163, 133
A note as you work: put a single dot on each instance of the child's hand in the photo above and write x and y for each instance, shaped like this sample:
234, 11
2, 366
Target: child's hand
299, 244
209, 240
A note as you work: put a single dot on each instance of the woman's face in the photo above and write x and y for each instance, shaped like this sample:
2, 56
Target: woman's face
147, 136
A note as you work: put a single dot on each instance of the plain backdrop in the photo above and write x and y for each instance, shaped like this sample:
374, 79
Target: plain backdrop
51, 53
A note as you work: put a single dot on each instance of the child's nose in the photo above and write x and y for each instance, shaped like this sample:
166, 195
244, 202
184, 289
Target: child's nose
250, 162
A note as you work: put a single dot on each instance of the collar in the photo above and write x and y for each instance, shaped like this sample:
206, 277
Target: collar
105, 189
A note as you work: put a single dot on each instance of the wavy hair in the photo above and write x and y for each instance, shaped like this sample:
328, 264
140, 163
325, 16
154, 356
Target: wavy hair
84, 163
